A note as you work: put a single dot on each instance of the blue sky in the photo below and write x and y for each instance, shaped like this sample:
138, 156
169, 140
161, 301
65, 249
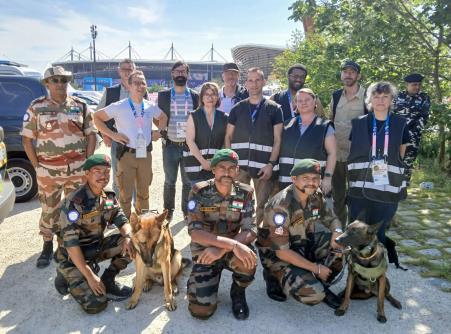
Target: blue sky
37, 32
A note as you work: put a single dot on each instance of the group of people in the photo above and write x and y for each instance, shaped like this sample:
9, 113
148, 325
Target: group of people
311, 173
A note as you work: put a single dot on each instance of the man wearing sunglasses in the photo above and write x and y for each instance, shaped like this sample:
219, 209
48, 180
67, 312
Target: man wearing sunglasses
64, 134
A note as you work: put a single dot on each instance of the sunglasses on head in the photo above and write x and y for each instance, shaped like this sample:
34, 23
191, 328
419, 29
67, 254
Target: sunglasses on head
59, 80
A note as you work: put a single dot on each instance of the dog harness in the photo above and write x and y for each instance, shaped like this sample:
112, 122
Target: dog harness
367, 276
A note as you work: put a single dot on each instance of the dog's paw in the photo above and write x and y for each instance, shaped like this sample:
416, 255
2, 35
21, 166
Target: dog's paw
175, 289
381, 318
147, 286
131, 304
171, 304
339, 312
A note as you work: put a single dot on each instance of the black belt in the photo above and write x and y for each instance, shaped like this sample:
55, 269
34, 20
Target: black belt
133, 150
177, 143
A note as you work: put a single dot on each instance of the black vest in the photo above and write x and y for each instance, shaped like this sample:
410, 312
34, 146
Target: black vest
207, 140
295, 147
361, 183
164, 101
281, 98
253, 142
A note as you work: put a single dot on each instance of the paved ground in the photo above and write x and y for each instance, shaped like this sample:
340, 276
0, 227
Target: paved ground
30, 304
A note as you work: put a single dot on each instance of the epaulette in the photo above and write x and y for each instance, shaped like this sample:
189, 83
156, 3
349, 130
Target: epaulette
39, 99
109, 192
244, 186
201, 185
77, 99
79, 195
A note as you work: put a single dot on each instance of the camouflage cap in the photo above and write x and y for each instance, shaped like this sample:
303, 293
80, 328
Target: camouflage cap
306, 166
97, 160
413, 77
225, 154
56, 71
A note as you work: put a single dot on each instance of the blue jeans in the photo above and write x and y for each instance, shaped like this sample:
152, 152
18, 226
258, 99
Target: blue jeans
172, 160
375, 212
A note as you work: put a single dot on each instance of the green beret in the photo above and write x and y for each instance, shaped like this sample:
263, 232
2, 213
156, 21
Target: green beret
225, 154
97, 160
306, 166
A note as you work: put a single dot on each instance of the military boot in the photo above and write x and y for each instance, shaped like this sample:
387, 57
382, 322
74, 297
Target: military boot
239, 305
112, 287
47, 251
273, 288
61, 284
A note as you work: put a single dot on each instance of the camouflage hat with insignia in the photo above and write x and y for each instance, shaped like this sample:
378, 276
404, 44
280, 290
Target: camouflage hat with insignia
306, 166
56, 71
225, 154
413, 77
97, 160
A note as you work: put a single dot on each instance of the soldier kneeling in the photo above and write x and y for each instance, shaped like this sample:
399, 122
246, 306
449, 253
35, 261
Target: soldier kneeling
222, 226
84, 216
298, 233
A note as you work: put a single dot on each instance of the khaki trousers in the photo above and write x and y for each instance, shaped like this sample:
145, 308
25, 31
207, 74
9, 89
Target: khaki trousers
134, 174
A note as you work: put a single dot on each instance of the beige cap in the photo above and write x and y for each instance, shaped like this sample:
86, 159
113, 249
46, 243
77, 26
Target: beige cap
56, 71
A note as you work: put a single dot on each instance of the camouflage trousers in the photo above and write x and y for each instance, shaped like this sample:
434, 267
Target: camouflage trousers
109, 248
410, 157
203, 283
301, 284
51, 184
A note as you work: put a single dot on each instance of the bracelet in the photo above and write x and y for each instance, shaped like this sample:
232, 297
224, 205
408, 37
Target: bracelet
234, 246
128, 236
319, 269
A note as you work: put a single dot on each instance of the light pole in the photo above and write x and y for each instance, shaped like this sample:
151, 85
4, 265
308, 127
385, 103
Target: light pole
94, 35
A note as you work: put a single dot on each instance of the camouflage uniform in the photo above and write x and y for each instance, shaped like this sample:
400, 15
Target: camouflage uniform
209, 211
307, 232
415, 108
60, 131
84, 217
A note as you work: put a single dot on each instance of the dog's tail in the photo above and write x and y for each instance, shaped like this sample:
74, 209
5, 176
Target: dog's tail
186, 262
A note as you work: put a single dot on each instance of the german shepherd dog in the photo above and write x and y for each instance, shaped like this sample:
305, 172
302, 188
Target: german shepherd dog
367, 268
156, 258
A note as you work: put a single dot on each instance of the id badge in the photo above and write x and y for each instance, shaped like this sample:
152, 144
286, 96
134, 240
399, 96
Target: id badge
181, 129
141, 149
380, 173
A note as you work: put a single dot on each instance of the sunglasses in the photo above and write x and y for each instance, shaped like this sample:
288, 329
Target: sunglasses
59, 80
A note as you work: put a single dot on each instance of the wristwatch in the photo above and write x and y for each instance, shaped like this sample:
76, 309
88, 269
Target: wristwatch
338, 230
327, 174
273, 162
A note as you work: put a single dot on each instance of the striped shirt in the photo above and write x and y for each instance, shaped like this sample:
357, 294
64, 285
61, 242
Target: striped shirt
181, 107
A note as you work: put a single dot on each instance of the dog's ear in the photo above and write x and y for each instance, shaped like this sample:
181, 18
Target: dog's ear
372, 229
162, 216
362, 216
134, 221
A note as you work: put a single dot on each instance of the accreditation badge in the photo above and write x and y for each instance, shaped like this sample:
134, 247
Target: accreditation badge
379, 170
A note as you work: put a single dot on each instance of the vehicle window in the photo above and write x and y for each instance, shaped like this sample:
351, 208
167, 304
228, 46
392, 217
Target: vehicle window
14, 98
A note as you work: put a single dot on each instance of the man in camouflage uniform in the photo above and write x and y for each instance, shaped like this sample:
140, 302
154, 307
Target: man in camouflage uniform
298, 231
65, 136
85, 214
414, 105
222, 226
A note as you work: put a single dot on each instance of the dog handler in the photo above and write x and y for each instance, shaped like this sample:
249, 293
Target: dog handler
294, 244
84, 216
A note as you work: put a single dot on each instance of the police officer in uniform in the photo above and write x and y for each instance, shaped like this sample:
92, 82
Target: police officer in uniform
299, 230
84, 216
58, 135
413, 105
222, 226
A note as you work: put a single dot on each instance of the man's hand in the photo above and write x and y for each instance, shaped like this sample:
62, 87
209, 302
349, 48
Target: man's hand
120, 138
155, 135
333, 243
127, 247
107, 140
326, 185
245, 255
96, 285
265, 172
206, 165
324, 273
210, 255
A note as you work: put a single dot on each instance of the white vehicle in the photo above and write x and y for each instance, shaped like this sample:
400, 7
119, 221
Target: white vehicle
11, 68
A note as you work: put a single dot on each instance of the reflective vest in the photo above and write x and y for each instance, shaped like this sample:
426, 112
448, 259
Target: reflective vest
295, 147
282, 99
361, 183
207, 140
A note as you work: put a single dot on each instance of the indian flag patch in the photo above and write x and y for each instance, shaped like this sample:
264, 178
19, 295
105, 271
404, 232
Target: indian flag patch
109, 204
237, 205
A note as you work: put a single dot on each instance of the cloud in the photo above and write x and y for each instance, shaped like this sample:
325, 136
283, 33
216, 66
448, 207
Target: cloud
148, 12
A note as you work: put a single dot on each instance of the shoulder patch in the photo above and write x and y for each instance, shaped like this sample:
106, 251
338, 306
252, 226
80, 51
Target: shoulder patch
26, 117
73, 216
279, 219
192, 205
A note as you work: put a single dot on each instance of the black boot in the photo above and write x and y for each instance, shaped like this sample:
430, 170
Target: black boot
61, 284
392, 254
239, 305
47, 251
331, 299
112, 287
273, 288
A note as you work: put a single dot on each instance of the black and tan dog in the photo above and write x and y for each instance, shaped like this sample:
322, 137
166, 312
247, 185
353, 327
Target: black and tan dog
367, 268
156, 258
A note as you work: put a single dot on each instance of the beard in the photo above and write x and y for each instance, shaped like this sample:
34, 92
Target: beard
180, 80
295, 85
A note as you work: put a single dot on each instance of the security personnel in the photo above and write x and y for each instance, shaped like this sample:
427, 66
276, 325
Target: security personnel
84, 216
413, 105
222, 227
65, 136
299, 229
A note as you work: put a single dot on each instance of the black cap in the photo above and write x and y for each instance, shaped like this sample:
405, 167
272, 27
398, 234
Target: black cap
230, 67
414, 77
348, 63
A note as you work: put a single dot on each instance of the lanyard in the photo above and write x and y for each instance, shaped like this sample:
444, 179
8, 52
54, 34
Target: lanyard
300, 124
139, 120
255, 111
293, 110
387, 132
175, 102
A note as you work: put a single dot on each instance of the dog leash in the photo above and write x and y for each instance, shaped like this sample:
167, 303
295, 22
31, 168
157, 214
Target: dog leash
345, 253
